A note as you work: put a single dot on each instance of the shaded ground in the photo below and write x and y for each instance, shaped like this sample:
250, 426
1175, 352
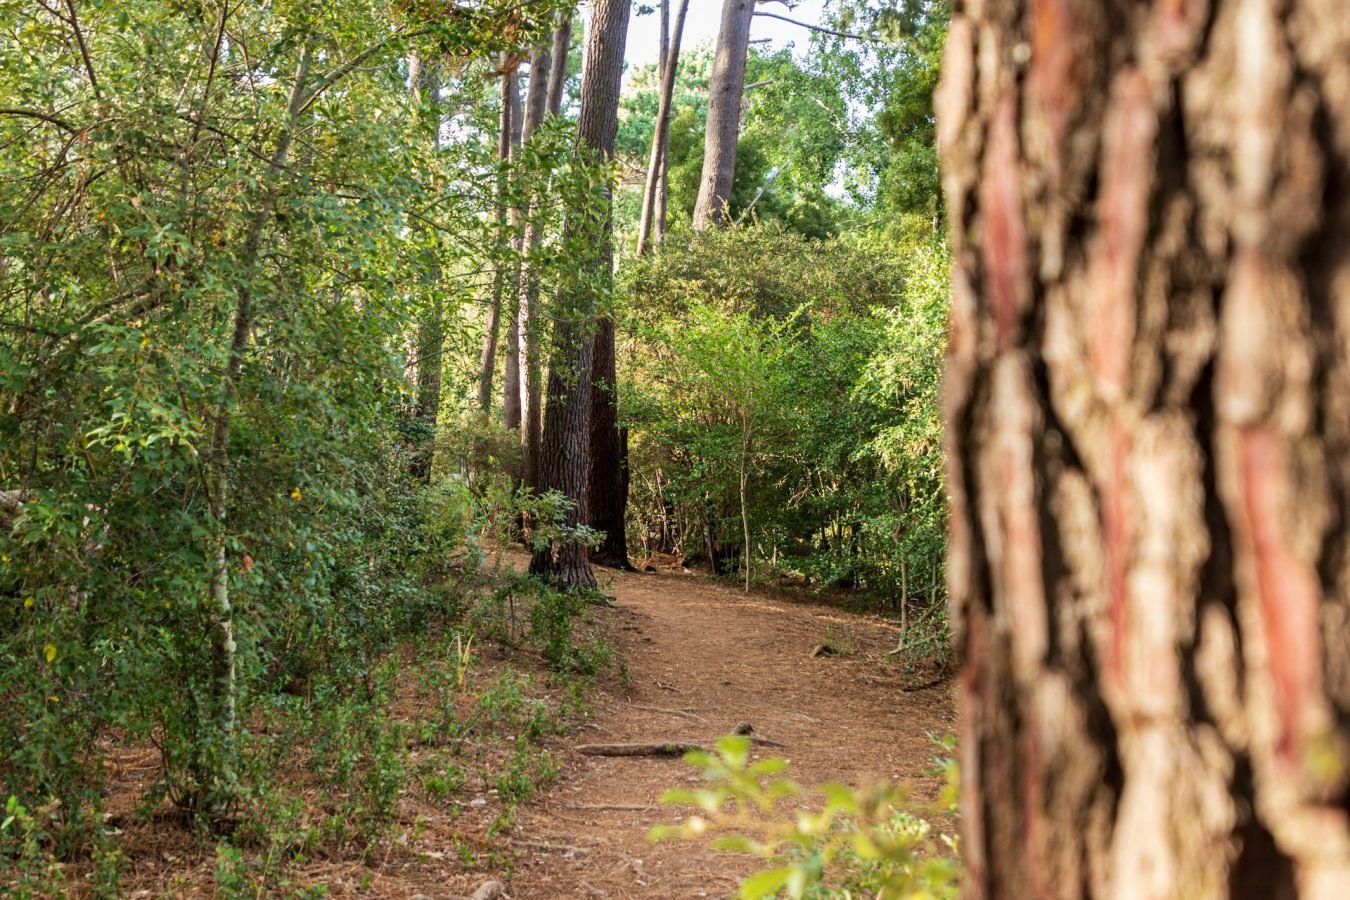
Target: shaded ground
699, 657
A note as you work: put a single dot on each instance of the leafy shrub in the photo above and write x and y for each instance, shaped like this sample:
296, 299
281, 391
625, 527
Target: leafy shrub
872, 843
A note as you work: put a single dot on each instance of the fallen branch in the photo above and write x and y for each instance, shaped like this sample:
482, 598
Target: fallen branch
613, 807
666, 748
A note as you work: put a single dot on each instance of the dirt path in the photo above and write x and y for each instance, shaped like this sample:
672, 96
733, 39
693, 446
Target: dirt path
702, 658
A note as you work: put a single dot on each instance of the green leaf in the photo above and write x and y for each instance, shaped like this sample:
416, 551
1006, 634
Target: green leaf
765, 884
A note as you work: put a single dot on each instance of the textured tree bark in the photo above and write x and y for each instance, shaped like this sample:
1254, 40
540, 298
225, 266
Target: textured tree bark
565, 454
656, 162
724, 115
608, 503
1148, 421
488, 361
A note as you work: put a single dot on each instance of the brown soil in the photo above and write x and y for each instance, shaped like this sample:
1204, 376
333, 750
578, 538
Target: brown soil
704, 657
700, 658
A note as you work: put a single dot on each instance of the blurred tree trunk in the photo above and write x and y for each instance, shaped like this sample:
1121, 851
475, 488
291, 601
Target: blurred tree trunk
565, 458
509, 101
1148, 417
652, 208
724, 115
557, 76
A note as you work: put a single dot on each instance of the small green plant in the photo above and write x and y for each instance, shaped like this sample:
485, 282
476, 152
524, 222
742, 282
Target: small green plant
445, 782
871, 843
106, 877
528, 772
232, 876
841, 640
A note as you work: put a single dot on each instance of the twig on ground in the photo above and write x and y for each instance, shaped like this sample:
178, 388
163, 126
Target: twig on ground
666, 748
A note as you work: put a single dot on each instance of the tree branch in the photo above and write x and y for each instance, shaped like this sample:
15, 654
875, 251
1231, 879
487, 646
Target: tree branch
34, 114
84, 49
821, 28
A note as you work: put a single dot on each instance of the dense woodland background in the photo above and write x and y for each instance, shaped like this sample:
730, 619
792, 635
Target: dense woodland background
309, 310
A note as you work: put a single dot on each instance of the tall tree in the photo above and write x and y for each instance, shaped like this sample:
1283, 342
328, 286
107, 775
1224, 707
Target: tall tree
1149, 444
724, 114
653, 210
557, 75
423, 77
532, 405
510, 103
566, 449
607, 502
516, 399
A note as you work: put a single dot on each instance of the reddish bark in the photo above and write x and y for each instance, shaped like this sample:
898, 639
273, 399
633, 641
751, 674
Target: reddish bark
565, 457
1148, 426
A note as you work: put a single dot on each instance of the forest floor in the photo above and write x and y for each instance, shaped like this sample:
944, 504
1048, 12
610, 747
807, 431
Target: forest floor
698, 657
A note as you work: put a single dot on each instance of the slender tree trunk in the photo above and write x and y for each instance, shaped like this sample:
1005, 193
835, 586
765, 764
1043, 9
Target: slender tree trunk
532, 412
565, 457
488, 362
526, 357
430, 343
511, 382
1148, 424
217, 467
745, 508
724, 115
656, 162
557, 76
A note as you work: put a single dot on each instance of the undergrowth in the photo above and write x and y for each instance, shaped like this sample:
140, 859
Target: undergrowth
342, 745
876, 842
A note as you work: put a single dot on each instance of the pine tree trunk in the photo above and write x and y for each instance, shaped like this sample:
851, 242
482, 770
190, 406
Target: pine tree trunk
557, 75
1148, 424
532, 412
565, 457
608, 502
648, 233
724, 115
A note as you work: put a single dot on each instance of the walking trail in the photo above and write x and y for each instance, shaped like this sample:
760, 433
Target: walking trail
704, 658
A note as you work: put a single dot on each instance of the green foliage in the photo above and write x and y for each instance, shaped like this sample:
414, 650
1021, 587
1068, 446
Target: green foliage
528, 772
218, 224
788, 150
812, 368
871, 843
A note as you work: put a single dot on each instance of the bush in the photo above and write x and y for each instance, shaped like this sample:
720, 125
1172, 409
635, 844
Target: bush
871, 843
